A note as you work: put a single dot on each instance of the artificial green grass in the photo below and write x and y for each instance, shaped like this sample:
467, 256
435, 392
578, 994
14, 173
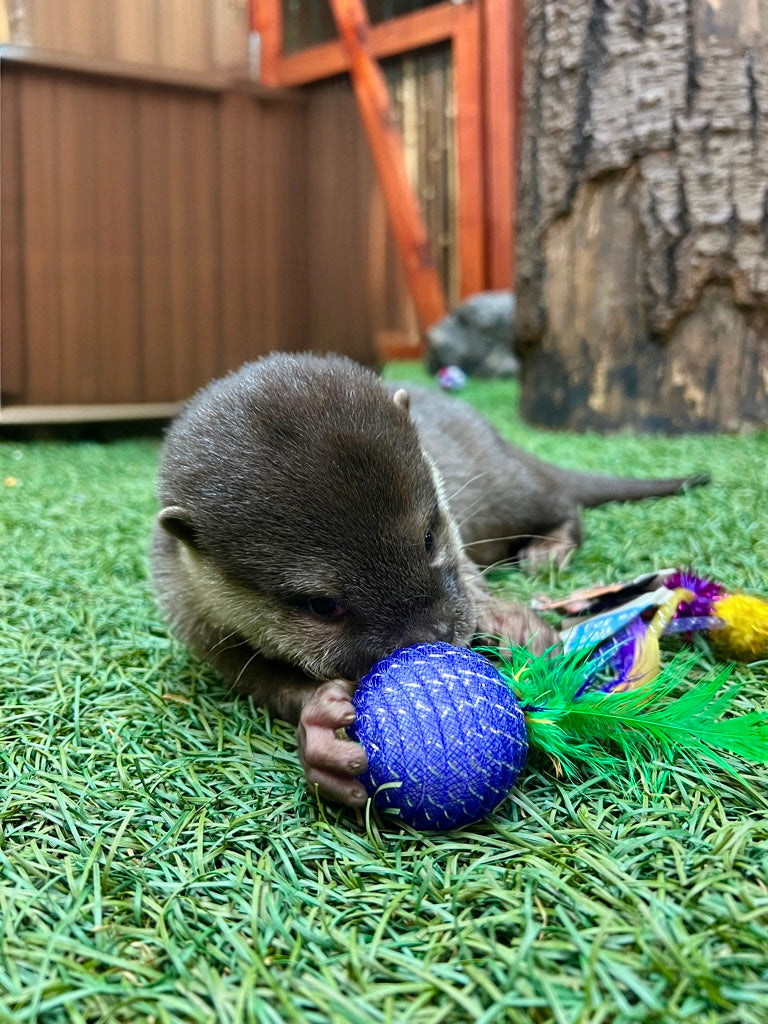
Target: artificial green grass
161, 861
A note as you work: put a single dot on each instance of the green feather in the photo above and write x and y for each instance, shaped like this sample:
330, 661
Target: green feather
597, 730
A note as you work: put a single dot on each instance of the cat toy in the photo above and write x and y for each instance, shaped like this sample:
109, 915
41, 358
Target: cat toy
447, 733
627, 635
736, 623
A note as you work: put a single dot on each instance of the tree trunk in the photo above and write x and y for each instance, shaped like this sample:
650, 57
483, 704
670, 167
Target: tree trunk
643, 215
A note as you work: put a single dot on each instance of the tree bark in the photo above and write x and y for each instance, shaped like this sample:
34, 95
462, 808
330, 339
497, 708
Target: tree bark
643, 215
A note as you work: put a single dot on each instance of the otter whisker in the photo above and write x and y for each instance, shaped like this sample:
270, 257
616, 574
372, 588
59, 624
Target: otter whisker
508, 536
467, 483
213, 649
240, 674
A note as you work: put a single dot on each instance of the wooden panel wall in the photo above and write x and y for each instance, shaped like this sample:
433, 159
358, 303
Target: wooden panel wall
197, 35
153, 236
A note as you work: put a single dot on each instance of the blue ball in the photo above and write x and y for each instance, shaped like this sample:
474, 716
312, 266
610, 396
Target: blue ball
440, 722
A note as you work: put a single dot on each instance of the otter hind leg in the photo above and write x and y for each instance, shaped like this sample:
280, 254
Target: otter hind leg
553, 548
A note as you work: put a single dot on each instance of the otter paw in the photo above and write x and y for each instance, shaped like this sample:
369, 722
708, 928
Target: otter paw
554, 548
331, 764
513, 625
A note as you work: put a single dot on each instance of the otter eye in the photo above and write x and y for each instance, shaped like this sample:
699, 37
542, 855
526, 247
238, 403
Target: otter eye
429, 542
326, 607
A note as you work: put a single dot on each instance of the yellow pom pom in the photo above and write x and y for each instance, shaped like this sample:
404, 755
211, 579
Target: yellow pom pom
745, 634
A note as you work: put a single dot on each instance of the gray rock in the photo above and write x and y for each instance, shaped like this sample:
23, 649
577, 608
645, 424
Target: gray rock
477, 336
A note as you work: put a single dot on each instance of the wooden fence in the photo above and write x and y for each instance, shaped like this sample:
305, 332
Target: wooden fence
162, 223
159, 230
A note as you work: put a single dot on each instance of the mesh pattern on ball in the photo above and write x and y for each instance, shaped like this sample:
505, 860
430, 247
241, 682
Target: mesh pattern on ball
442, 722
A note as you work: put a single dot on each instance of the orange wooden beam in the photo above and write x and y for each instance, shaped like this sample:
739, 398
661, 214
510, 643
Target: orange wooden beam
501, 65
468, 91
408, 32
266, 18
386, 147
486, 38
517, 54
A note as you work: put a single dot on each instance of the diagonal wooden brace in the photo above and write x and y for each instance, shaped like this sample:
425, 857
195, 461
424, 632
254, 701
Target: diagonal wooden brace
386, 145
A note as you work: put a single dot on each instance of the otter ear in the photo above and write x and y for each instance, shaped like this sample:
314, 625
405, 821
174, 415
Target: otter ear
178, 522
402, 399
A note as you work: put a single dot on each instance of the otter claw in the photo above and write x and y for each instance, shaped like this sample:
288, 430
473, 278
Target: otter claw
330, 763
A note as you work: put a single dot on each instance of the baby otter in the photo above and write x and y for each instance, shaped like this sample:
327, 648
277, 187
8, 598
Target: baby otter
313, 520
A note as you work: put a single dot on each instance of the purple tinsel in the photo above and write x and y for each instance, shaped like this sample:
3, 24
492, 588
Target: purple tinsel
614, 660
627, 643
705, 592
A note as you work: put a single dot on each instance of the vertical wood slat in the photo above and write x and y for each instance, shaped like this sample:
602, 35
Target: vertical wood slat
264, 291
154, 188
336, 150
56, 26
364, 183
134, 36
178, 204
258, 325
184, 34
233, 226
377, 284
12, 262
229, 35
183, 201
269, 273
467, 73
39, 218
117, 300
76, 240
293, 266
325, 232
205, 278
248, 325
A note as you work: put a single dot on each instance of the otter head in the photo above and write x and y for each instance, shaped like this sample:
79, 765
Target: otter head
309, 518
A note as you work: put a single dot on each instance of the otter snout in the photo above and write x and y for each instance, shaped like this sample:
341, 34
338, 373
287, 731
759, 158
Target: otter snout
443, 631
449, 619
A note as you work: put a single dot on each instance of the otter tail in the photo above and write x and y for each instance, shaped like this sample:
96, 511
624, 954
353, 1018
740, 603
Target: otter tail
589, 489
